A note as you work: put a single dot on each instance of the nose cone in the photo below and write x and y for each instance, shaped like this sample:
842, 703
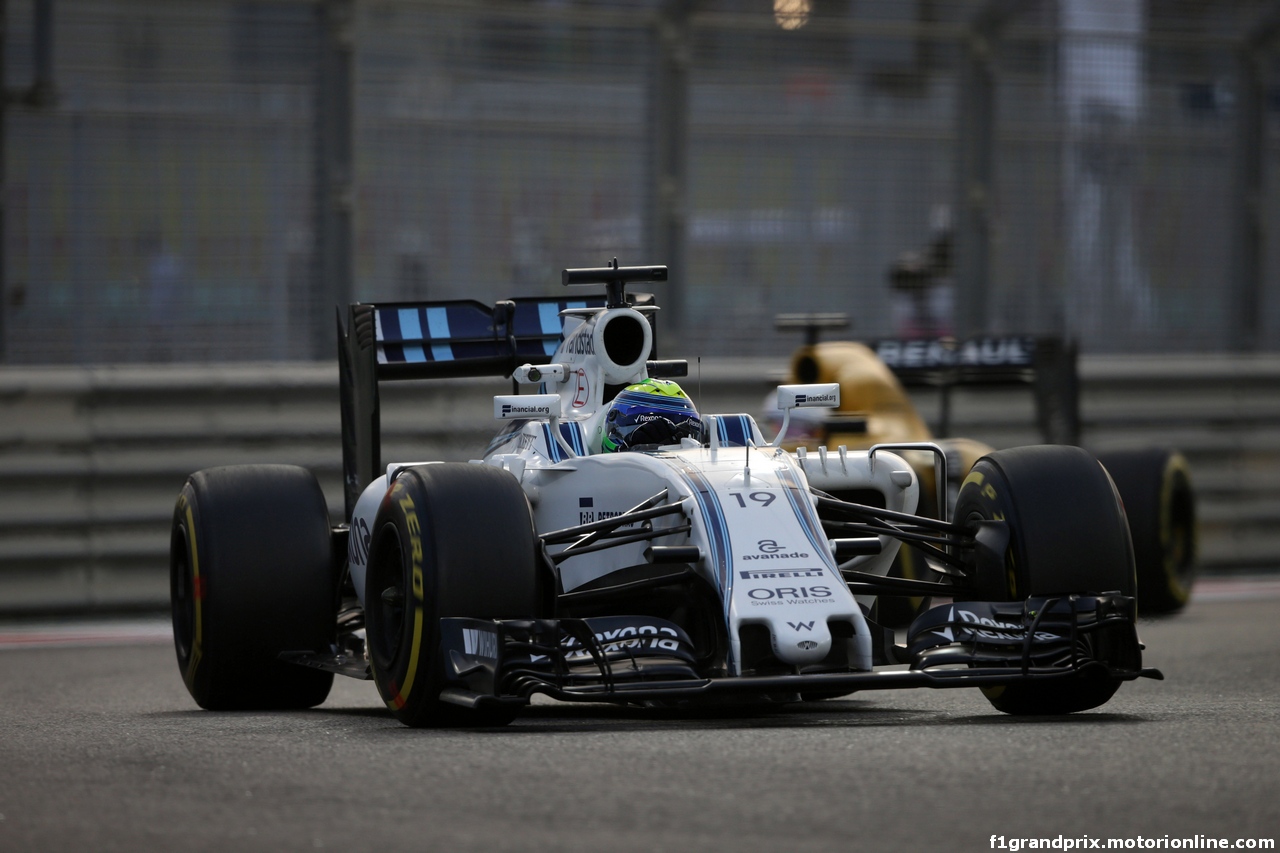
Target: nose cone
801, 642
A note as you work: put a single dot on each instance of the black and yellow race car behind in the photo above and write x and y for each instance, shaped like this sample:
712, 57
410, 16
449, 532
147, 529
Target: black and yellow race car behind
1154, 482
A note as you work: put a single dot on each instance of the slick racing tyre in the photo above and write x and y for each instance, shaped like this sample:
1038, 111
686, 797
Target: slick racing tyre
251, 576
1155, 485
1067, 534
448, 540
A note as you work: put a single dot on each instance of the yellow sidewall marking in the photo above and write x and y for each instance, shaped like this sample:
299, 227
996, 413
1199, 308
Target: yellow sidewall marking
988, 491
403, 695
416, 582
1176, 464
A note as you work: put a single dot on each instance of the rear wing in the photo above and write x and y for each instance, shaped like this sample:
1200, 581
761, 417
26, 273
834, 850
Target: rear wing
435, 340
1047, 364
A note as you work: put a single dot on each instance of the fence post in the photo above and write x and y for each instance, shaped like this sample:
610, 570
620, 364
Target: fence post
334, 172
39, 94
975, 171
668, 131
4, 108
976, 120
1247, 194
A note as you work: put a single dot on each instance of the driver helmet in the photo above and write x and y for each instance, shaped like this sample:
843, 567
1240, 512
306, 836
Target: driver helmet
651, 413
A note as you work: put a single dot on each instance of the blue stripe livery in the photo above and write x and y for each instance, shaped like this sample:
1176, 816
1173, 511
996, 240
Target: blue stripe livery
465, 329
572, 433
805, 514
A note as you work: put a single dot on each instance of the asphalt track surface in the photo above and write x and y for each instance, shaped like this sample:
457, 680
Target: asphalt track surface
102, 749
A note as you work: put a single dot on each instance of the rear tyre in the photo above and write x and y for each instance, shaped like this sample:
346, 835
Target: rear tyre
1155, 485
448, 540
1067, 534
251, 576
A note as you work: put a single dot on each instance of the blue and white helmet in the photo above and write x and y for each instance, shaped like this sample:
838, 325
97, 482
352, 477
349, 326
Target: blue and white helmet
651, 413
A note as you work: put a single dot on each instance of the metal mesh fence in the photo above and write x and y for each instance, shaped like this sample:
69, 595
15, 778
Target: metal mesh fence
160, 210
164, 206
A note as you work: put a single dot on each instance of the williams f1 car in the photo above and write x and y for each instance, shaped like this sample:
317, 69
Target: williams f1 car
615, 545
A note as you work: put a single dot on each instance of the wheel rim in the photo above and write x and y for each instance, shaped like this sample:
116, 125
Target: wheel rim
180, 589
386, 591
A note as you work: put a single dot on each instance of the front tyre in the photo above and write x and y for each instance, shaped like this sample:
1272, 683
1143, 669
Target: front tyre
448, 540
1067, 534
251, 576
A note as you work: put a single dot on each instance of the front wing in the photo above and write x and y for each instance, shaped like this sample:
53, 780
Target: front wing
642, 659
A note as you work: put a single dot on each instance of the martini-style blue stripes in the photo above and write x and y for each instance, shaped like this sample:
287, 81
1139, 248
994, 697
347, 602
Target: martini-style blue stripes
463, 329
411, 329
438, 328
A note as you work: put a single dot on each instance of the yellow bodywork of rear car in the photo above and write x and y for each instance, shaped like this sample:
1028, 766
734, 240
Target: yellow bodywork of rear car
874, 409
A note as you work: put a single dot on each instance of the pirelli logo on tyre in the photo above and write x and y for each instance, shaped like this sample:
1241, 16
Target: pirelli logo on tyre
987, 494
987, 490
415, 544
399, 693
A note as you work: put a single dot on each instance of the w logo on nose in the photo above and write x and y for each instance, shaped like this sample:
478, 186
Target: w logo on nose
801, 626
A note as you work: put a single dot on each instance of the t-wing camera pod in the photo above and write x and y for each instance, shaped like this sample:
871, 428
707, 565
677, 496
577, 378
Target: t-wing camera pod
614, 278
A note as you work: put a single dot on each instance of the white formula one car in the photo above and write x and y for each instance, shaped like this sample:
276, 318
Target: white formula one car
705, 564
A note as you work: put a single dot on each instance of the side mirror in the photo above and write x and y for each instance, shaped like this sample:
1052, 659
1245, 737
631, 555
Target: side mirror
825, 396
508, 407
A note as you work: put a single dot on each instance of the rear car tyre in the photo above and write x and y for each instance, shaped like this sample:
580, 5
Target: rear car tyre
1155, 486
251, 576
448, 540
1067, 534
